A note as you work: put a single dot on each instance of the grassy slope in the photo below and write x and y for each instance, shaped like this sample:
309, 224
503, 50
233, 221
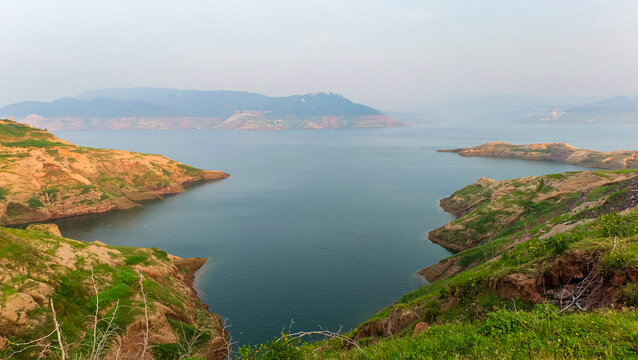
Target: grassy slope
38, 267
507, 302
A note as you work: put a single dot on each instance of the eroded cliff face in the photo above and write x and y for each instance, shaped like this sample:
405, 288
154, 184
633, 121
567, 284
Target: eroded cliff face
109, 301
559, 152
43, 177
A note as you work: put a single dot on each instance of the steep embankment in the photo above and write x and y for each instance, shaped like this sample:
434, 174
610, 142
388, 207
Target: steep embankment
43, 177
559, 152
109, 301
549, 270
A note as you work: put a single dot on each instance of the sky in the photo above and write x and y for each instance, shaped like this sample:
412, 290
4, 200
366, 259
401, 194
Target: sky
399, 55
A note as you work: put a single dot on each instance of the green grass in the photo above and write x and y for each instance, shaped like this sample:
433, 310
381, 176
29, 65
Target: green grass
599, 192
35, 203
624, 171
16, 155
469, 190
191, 170
32, 143
556, 176
13, 251
527, 150
84, 188
541, 333
4, 192
15, 129
51, 192
601, 174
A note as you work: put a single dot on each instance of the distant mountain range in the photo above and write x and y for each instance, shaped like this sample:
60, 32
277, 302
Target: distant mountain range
529, 109
619, 109
152, 108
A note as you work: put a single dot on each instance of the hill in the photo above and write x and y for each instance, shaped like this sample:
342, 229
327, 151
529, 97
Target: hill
504, 108
43, 177
150, 108
618, 109
558, 152
536, 109
62, 298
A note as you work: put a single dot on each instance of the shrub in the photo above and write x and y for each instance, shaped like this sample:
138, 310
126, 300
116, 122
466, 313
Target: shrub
136, 259
283, 348
616, 225
3, 192
34, 203
628, 295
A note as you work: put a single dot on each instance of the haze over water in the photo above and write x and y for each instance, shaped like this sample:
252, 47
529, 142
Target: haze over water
321, 227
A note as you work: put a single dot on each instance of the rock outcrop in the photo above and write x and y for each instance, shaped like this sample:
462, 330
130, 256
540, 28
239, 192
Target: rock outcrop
558, 152
43, 177
132, 296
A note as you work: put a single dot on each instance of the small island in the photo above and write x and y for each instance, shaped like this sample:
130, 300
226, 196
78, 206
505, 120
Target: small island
558, 152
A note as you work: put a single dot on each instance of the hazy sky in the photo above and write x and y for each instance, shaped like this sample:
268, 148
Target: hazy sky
393, 55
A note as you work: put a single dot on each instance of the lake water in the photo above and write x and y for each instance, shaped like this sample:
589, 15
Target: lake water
323, 228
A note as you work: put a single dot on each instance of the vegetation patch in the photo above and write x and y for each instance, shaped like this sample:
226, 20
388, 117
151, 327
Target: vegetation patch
35, 203
33, 143
4, 192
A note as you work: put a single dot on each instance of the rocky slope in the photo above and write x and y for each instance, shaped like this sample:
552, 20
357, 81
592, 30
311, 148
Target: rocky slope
559, 152
490, 209
43, 177
111, 302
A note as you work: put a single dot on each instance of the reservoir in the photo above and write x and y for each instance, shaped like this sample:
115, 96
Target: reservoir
313, 228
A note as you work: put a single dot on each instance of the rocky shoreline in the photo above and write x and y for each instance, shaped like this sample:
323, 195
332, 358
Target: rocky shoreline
558, 152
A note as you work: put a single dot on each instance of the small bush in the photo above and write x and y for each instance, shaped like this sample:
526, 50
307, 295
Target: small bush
3, 193
628, 295
136, 259
283, 348
35, 203
613, 224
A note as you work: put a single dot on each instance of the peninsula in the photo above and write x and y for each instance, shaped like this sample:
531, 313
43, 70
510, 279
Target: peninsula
558, 152
43, 177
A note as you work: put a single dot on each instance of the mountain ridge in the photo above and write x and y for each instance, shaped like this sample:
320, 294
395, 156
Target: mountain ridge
159, 108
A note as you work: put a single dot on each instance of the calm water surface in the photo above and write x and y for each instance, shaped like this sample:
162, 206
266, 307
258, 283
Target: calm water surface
321, 227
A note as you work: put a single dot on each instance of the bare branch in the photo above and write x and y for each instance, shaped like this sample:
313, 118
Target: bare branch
146, 333
57, 330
